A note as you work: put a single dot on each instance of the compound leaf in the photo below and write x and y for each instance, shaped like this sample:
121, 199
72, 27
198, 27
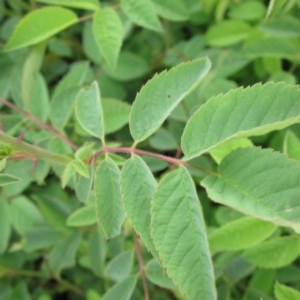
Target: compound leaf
260, 183
39, 25
178, 231
161, 94
108, 33
89, 110
142, 13
109, 210
241, 112
137, 186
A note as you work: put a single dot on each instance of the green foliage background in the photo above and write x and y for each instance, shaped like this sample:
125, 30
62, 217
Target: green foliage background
56, 55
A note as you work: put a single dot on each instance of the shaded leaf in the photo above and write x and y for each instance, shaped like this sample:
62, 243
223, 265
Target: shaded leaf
255, 110
109, 208
142, 13
178, 232
275, 253
83, 216
137, 187
240, 234
161, 94
39, 25
5, 229
108, 33
174, 10
89, 110
260, 183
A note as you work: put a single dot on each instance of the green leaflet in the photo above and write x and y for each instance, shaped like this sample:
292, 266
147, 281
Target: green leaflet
251, 10
142, 13
116, 114
6, 179
174, 10
63, 254
109, 210
275, 253
178, 232
5, 229
84, 4
260, 183
83, 216
240, 234
284, 292
39, 25
227, 33
108, 33
137, 187
291, 145
241, 112
161, 94
89, 111
122, 290
96, 253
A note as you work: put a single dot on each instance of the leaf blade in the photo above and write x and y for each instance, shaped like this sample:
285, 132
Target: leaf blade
85, 4
33, 28
241, 112
178, 231
166, 92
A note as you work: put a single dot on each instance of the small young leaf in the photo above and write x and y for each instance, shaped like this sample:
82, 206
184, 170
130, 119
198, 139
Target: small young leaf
245, 182
283, 292
6, 179
3, 163
5, 228
84, 4
80, 168
89, 110
122, 290
142, 13
39, 25
67, 174
275, 253
160, 96
83, 216
108, 33
63, 254
174, 10
241, 112
137, 187
178, 232
240, 234
109, 210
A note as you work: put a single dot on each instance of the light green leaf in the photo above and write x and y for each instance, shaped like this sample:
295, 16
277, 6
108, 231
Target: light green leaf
108, 33
122, 290
5, 229
109, 208
120, 266
130, 66
227, 33
219, 152
240, 234
84, 186
245, 182
284, 292
248, 11
89, 110
174, 10
291, 145
161, 95
137, 187
83, 216
255, 110
142, 13
3, 162
116, 114
63, 254
67, 174
84, 4
80, 168
178, 232
275, 253
156, 275
62, 106
39, 25
6, 179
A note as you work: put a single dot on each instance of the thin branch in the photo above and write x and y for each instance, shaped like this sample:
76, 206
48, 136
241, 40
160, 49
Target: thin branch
39, 122
142, 265
171, 160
